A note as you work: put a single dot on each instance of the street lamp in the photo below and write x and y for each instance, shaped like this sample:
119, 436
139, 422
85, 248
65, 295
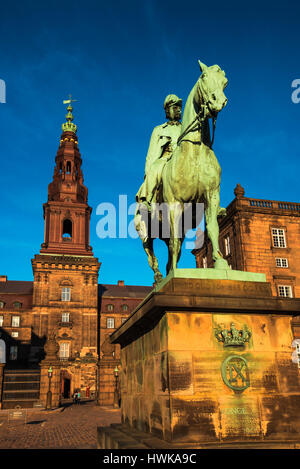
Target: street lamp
49, 393
116, 393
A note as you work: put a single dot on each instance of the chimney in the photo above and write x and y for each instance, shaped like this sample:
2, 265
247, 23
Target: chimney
3, 278
121, 283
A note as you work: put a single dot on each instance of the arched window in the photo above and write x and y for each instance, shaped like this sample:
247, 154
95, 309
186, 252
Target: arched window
17, 304
2, 351
110, 307
67, 228
124, 308
2, 304
68, 167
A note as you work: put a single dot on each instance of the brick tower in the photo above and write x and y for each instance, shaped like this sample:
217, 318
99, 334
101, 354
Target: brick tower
65, 287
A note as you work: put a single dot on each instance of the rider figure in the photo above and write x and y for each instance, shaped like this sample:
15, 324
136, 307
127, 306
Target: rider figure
162, 144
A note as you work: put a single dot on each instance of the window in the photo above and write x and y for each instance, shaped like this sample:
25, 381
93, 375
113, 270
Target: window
65, 317
64, 350
123, 320
124, 308
298, 353
285, 290
281, 262
66, 294
110, 323
13, 352
68, 167
15, 334
67, 228
15, 321
204, 262
17, 305
1, 320
110, 307
278, 236
227, 245
2, 304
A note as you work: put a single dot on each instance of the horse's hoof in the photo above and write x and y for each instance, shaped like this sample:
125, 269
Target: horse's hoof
158, 277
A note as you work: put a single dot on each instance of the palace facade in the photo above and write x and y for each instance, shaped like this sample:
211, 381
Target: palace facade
258, 235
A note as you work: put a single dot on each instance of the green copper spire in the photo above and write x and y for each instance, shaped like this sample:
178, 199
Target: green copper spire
69, 126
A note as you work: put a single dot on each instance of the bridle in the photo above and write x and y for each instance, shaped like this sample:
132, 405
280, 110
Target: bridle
198, 121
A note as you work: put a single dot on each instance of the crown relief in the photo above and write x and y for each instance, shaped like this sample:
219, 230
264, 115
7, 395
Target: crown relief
233, 337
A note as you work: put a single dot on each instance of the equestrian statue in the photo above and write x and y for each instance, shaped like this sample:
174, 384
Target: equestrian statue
181, 168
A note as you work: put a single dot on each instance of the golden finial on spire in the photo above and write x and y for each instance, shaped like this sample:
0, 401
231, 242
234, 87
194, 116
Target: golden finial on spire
69, 126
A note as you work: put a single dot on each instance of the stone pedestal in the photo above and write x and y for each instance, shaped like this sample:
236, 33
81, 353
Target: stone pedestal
208, 363
107, 383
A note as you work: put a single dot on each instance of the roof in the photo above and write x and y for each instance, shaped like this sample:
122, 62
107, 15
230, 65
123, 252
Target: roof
17, 286
124, 291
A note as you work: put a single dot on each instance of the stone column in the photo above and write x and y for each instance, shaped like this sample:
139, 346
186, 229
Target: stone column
51, 360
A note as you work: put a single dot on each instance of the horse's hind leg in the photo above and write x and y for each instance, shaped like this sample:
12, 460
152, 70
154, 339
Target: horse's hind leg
176, 239
212, 208
152, 259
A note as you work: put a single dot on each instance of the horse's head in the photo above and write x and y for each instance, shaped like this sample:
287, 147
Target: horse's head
211, 85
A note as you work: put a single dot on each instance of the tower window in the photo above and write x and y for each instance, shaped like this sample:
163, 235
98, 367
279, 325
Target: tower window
68, 167
67, 228
65, 317
66, 294
64, 350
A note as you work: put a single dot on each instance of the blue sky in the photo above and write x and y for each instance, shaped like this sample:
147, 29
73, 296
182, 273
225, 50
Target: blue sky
120, 59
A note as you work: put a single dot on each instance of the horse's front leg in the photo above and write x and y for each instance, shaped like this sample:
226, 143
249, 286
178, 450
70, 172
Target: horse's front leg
211, 213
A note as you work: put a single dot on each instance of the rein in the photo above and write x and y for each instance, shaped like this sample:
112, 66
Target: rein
200, 117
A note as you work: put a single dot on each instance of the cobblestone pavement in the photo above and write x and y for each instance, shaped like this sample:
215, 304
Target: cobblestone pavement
73, 426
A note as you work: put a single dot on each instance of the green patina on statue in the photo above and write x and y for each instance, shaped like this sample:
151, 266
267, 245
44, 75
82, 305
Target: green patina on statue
182, 168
